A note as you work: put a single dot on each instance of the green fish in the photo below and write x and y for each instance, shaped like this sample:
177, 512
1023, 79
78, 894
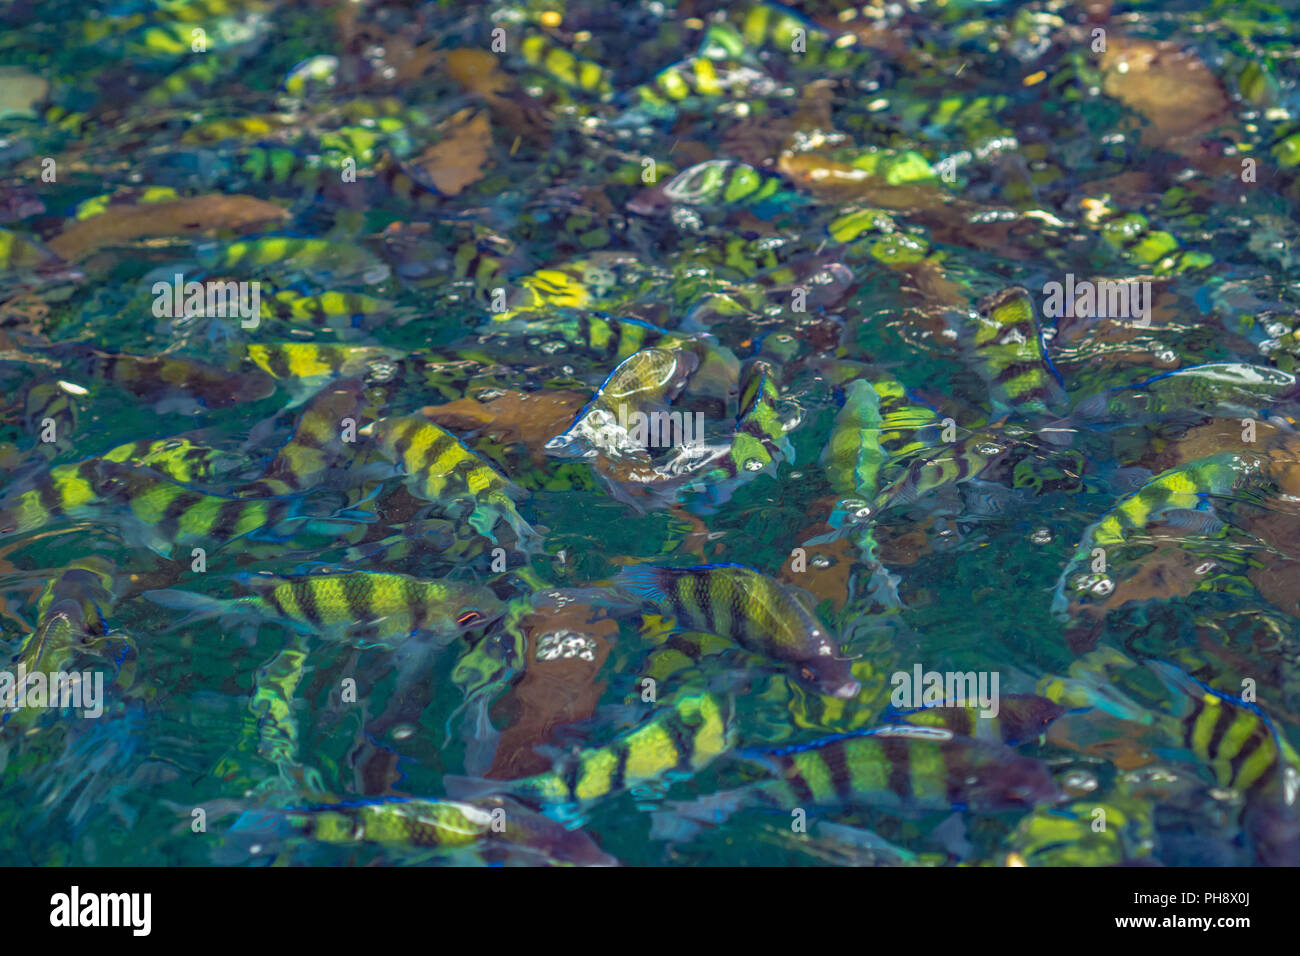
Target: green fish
1181, 494
1003, 341
903, 767
644, 381
440, 467
755, 611
365, 608
495, 827
682, 738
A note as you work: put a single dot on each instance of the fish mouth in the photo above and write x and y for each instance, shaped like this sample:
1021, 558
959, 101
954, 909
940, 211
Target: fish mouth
847, 690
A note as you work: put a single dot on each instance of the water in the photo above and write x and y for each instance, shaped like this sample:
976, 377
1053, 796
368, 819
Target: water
833, 198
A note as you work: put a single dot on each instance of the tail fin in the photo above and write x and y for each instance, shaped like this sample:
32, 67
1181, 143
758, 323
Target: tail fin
201, 607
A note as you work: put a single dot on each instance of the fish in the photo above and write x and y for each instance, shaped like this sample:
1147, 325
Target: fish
588, 335
757, 446
942, 466
493, 826
334, 310
440, 467
1021, 718
1004, 343
1186, 487
777, 28
713, 183
320, 260
903, 768
323, 445
1232, 738
364, 608
574, 72
23, 253
312, 75
306, 366
155, 511
755, 611
681, 737
644, 381
181, 459
70, 616
168, 380
1225, 389
695, 77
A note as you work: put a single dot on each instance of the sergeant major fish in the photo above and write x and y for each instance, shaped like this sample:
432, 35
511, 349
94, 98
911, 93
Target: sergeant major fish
755, 611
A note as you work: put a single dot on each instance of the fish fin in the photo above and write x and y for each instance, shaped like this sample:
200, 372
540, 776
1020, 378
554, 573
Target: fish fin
464, 787
201, 606
641, 582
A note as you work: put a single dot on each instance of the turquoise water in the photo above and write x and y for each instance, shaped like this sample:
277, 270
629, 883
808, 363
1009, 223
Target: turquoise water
362, 568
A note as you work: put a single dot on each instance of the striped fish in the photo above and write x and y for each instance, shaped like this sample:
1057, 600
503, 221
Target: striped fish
588, 335
166, 378
321, 260
1021, 718
440, 467
645, 380
70, 616
365, 608
177, 458
194, 79
499, 829
975, 117
1004, 343
697, 78
162, 514
713, 183
1219, 389
1184, 488
758, 444
757, 612
904, 767
339, 311
22, 253
954, 464
1232, 737
575, 72
319, 449
306, 366
776, 28
681, 738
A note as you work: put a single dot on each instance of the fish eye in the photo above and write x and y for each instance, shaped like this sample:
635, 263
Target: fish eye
469, 616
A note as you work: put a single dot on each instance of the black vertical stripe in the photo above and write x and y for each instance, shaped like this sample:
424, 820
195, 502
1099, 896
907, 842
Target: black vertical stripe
620, 771
837, 760
1252, 744
305, 595
897, 755
171, 518
49, 496
274, 601
227, 519
1221, 724
572, 767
